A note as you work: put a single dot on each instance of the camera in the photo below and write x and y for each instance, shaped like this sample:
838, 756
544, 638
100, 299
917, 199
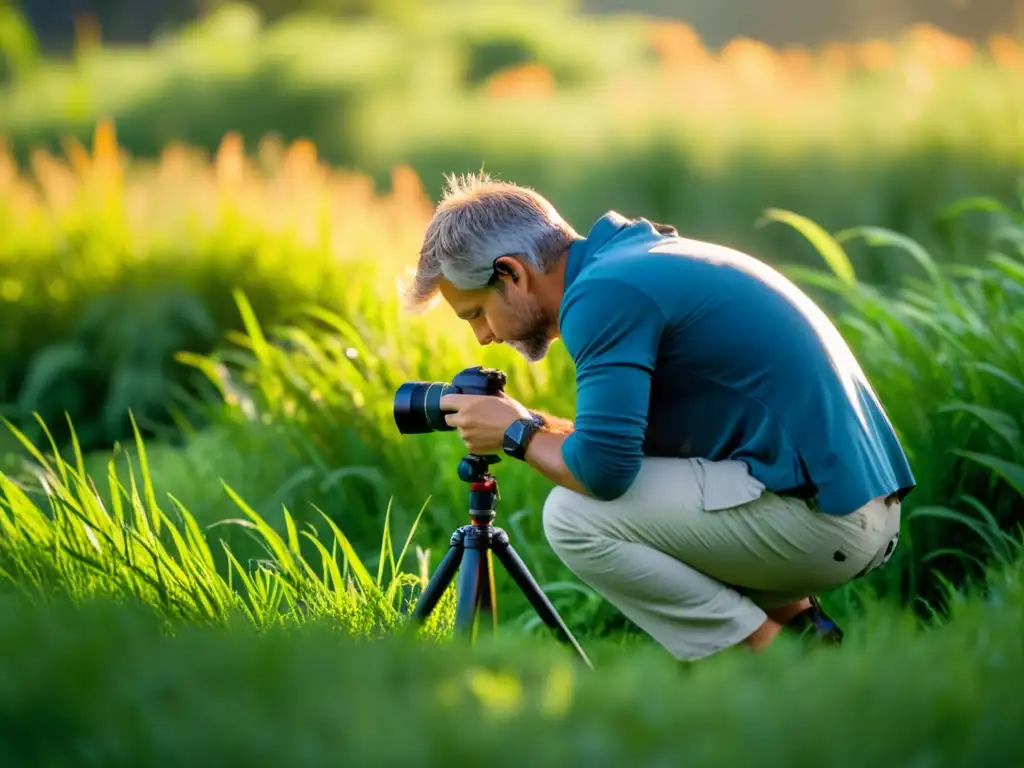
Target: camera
418, 403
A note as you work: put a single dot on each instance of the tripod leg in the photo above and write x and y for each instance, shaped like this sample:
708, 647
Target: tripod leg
524, 579
487, 596
439, 581
467, 591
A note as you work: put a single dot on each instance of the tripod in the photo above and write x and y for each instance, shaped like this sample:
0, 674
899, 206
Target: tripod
470, 549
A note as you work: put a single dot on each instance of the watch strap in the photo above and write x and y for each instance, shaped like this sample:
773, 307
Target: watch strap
518, 436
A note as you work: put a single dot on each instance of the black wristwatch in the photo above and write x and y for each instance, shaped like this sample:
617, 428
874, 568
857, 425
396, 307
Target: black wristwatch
519, 434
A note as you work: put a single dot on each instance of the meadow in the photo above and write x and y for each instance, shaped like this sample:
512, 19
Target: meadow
205, 503
120, 649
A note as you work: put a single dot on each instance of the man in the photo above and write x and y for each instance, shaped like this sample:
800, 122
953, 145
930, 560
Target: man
728, 459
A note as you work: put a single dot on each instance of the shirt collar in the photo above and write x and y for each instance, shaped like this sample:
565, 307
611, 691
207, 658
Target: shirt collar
600, 233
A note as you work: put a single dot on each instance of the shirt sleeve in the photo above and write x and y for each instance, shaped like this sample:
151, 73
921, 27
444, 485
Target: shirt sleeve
612, 330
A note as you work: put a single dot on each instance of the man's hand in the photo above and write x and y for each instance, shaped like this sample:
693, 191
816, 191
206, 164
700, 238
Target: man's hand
482, 419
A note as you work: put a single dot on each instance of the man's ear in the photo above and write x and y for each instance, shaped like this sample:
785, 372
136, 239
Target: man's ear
510, 268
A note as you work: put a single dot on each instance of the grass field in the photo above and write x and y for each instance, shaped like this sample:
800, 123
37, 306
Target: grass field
116, 654
205, 504
129, 693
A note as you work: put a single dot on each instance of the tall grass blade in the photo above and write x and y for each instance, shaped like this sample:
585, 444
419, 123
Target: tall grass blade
999, 373
280, 551
1012, 267
1002, 424
991, 536
979, 204
147, 479
876, 236
385, 547
60, 464
827, 246
1012, 473
351, 558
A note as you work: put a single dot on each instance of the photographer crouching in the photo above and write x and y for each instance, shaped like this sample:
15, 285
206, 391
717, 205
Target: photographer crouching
728, 459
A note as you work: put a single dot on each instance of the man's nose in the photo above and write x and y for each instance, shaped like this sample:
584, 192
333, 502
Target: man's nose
484, 336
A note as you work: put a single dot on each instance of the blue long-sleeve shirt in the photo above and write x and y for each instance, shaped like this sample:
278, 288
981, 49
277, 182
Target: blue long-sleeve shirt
688, 349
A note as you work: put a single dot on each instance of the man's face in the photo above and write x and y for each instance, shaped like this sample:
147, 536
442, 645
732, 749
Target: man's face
512, 317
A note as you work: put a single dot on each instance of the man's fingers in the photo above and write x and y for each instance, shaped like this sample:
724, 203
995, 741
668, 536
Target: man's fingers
452, 419
452, 402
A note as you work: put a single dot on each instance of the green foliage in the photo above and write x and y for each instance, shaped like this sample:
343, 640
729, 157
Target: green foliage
106, 273
19, 48
703, 148
60, 538
323, 387
113, 616
118, 360
116, 277
108, 685
116, 306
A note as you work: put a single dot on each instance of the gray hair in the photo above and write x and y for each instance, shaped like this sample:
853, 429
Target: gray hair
478, 220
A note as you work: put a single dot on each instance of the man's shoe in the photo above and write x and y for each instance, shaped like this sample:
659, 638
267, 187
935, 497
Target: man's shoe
815, 624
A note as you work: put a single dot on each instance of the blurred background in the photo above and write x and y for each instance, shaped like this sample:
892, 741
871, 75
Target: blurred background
204, 206
701, 112
778, 22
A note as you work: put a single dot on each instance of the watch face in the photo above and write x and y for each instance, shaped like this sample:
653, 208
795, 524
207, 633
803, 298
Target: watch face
514, 436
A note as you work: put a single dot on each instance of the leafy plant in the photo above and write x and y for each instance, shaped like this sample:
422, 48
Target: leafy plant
117, 360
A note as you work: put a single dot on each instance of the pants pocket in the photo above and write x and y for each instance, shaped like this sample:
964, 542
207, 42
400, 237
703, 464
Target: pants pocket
726, 484
883, 557
879, 534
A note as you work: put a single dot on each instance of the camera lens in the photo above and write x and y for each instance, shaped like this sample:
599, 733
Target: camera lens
418, 407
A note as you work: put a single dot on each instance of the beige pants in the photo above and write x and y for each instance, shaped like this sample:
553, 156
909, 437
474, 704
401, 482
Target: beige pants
696, 550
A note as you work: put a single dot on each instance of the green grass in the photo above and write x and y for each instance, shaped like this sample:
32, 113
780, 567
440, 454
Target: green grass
108, 270
943, 355
120, 645
301, 416
60, 535
98, 684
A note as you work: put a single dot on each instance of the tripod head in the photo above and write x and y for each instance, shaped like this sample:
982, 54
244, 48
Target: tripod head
483, 488
473, 467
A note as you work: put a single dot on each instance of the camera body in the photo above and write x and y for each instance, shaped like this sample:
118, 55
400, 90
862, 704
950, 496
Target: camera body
417, 406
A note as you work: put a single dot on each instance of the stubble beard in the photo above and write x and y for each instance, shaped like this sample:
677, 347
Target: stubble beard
535, 339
